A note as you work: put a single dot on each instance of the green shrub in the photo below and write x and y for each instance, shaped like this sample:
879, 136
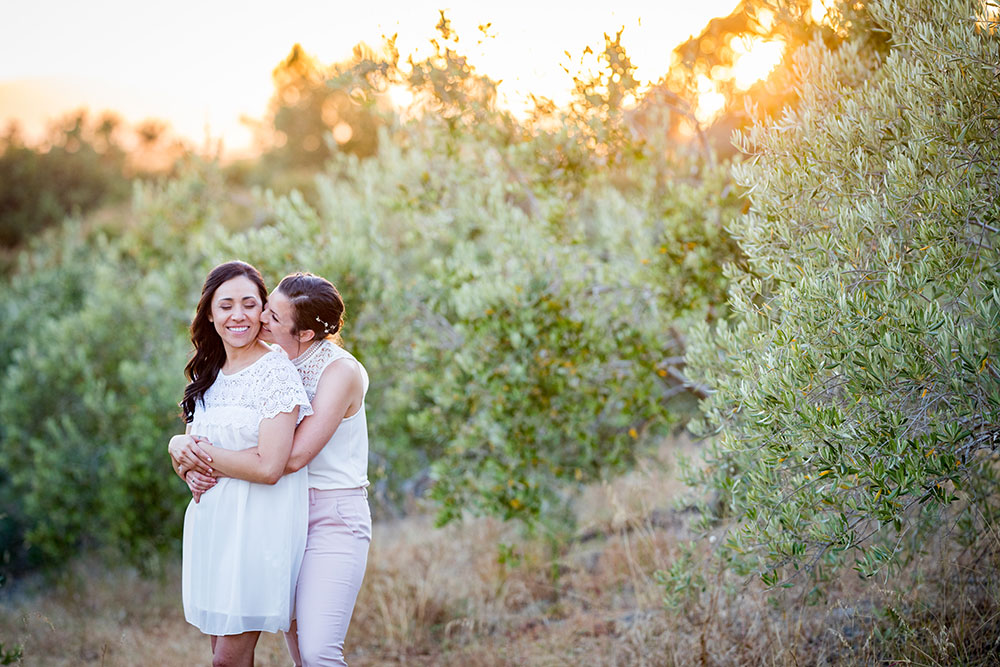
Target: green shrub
77, 167
856, 387
522, 324
95, 345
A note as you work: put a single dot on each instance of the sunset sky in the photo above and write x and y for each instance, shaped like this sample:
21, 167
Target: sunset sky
202, 65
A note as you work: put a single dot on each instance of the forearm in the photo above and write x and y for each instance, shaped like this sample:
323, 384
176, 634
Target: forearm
265, 463
247, 464
310, 437
295, 462
298, 460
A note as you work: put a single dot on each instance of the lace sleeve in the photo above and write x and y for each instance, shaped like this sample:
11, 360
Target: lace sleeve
281, 390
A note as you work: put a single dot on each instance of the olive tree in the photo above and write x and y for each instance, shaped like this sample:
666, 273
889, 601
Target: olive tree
856, 387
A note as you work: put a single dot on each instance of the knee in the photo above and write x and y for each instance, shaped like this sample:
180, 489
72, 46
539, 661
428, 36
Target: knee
231, 660
319, 654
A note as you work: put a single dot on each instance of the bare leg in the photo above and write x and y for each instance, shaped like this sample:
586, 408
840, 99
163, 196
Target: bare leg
234, 650
292, 640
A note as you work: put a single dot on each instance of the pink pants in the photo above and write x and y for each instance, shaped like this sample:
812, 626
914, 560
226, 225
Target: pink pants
340, 529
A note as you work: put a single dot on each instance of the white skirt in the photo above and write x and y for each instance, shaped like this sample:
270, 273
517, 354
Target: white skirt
243, 546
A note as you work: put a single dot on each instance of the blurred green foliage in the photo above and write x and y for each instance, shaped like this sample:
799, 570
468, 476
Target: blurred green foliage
40, 188
311, 117
511, 287
82, 163
93, 331
857, 396
525, 293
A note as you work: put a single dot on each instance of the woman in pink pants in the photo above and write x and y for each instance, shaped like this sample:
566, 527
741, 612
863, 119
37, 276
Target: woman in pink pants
303, 316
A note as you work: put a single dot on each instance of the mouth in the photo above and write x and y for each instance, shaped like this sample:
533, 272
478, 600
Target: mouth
239, 330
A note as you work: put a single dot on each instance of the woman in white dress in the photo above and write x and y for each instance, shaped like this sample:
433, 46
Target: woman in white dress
243, 539
304, 316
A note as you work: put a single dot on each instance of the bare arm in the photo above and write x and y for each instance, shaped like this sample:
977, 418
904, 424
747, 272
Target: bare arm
265, 463
339, 395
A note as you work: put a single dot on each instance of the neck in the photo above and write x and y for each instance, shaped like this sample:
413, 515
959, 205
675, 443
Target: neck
238, 357
296, 350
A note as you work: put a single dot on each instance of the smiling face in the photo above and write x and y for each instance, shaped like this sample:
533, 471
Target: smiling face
278, 325
236, 309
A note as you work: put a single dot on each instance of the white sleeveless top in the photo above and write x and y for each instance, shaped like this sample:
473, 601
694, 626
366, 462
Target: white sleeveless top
343, 461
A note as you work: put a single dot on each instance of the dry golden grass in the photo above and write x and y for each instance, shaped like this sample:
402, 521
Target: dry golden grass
442, 597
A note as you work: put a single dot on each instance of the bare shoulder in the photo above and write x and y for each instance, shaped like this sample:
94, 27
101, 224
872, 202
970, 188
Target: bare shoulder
345, 370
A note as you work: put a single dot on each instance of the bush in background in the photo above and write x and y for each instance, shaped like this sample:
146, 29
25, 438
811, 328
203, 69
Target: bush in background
856, 389
516, 329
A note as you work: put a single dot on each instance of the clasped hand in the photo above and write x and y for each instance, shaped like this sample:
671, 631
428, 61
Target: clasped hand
192, 463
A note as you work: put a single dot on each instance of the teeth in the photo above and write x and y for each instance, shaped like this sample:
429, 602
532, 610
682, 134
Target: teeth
238, 329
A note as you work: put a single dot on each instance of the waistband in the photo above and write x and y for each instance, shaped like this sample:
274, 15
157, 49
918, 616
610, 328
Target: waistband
319, 494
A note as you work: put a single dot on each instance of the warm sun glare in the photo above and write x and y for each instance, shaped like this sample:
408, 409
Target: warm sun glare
401, 96
56, 57
989, 17
819, 10
755, 59
710, 100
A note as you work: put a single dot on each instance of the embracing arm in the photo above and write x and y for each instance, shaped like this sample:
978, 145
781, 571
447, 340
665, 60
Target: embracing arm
339, 395
265, 463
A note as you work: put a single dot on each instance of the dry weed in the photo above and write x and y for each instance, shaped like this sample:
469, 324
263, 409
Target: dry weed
444, 597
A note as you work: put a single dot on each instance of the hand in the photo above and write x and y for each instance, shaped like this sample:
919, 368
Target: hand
216, 474
195, 493
198, 483
186, 454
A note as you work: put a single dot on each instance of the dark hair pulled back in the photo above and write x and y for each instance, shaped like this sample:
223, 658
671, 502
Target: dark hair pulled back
209, 352
317, 305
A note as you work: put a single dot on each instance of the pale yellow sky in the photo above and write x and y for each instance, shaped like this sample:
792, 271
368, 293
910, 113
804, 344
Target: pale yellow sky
203, 65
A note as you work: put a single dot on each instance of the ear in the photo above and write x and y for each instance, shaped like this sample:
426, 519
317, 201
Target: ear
306, 336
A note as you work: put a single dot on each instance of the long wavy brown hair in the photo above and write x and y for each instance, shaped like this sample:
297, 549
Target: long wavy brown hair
209, 352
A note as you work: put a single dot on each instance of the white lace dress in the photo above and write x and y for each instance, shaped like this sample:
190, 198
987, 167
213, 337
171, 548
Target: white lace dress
243, 542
